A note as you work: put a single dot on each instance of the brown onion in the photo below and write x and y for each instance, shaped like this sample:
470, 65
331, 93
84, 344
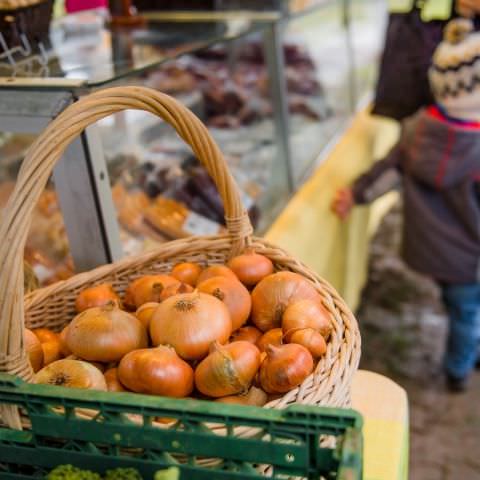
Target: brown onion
105, 334
310, 339
272, 337
52, 351
255, 396
96, 296
112, 381
249, 334
63, 342
251, 267
146, 289
101, 366
145, 313
306, 314
45, 334
157, 371
272, 296
228, 370
285, 368
34, 349
72, 373
175, 289
216, 271
190, 322
187, 273
233, 294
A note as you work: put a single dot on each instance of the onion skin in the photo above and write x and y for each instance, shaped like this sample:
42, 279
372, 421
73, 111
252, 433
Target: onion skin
187, 273
96, 296
285, 368
216, 271
145, 313
255, 397
175, 289
272, 296
306, 314
34, 349
247, 334
73, 374
251, 267
228, 370
45, 335
63, 342
146, 289
52, 351
105, 334
156, 371
272, 337
99, 365
233, 294
112, 381
190, 323
311, 340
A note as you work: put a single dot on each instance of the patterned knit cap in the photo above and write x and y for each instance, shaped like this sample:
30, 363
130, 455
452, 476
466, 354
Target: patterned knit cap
455, 71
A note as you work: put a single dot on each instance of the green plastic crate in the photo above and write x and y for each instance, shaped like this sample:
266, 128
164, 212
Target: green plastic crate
291, 441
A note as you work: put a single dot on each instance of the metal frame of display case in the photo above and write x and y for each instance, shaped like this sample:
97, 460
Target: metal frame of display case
81, 178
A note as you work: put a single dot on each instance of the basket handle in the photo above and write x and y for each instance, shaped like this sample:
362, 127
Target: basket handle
37, 167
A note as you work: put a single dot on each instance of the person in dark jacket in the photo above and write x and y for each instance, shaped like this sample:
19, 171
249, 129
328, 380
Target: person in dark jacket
415, 29
437, 161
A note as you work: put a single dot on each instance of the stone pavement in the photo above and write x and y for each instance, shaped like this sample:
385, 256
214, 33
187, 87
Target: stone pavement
403, 332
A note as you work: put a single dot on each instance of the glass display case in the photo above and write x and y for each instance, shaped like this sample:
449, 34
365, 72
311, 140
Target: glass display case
275, 88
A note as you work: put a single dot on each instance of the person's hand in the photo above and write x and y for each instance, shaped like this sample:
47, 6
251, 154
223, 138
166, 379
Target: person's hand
343, 202
468, 8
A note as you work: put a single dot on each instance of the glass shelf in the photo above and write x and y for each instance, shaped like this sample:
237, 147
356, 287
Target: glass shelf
84, 49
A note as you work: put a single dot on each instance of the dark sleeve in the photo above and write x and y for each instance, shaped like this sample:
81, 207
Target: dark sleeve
384, 176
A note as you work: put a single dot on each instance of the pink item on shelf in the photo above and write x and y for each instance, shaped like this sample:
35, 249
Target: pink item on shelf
72, 6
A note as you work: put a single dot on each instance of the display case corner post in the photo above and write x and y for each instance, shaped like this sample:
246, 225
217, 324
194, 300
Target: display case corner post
83, 187
274, 57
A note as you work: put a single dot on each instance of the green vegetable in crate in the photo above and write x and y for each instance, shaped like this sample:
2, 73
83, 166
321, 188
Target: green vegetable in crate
69, 472
171, 473
122, 474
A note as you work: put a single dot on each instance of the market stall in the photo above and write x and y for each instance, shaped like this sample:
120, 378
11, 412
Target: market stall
279, 90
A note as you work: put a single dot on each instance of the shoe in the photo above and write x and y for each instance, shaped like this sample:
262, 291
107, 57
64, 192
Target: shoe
455, 384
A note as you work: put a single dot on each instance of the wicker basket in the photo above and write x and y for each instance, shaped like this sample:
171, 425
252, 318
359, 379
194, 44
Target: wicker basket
28, 17
53, 306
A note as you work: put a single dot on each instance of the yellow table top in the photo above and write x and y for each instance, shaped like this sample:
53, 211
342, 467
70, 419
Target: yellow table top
384, 407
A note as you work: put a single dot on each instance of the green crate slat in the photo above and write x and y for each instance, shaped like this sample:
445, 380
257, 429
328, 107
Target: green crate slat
47, 456
200, 444
289, 439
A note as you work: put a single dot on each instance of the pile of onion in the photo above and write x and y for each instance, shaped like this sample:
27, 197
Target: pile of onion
96, 296
190, 323
72, 373
233, 294
157, 371
237, 333
145, 289
105, 334
228, 370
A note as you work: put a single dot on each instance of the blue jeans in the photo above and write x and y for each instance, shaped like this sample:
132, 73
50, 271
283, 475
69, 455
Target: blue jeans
463, 307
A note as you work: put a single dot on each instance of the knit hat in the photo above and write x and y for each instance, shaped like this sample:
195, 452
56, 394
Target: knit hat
455, 71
